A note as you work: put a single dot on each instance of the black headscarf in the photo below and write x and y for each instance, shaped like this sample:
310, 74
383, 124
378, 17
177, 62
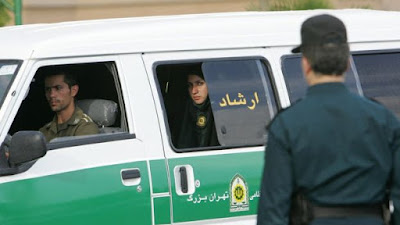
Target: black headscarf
198, 127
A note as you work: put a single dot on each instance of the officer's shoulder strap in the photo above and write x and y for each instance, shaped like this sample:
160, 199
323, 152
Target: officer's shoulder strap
82, 118
48, 125
86, 118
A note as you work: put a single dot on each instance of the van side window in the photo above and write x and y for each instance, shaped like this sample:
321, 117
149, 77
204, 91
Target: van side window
380, 77
297, 86
99, 97
8, 70
240, 94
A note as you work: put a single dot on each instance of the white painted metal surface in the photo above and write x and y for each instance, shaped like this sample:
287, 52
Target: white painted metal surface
185, 32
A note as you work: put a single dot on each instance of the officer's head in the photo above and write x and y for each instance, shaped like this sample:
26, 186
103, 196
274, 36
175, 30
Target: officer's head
60, 89
197, 87
324, 45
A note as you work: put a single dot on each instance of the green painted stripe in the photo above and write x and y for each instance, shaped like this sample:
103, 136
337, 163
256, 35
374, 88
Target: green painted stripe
90, 196
159, 176
162, 210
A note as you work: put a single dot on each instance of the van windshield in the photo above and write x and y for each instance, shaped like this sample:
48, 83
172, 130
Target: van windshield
8, 70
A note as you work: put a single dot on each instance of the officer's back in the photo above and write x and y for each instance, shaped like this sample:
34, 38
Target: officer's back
339, 150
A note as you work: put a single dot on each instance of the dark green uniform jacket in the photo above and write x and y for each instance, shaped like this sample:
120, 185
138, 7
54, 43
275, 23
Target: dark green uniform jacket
78, 124
338, 149
198, 127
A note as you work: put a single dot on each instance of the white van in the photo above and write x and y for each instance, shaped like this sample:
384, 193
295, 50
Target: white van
132, 71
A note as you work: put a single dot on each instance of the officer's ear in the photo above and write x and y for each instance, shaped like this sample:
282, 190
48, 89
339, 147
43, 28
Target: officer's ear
306, 65
307, 70
74, 90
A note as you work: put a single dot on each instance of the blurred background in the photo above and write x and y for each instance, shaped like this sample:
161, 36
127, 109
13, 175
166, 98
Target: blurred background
49, 11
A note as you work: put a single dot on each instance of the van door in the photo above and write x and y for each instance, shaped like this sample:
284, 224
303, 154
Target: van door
216, 184
96, 179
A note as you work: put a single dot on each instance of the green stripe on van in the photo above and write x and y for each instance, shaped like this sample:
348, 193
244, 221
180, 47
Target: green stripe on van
162, 210
90, 196
159, 176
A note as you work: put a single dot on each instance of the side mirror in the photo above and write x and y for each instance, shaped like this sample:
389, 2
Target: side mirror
26, 146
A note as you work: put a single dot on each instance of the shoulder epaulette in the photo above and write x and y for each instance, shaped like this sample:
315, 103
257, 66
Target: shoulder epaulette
86, 118
47, 125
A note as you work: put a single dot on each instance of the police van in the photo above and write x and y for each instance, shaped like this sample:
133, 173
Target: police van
132, 77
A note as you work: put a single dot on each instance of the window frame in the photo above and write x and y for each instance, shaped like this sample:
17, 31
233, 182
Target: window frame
273, 94
117, 86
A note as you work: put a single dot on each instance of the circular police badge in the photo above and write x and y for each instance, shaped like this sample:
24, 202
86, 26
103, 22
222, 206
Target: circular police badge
239, 193
201, 121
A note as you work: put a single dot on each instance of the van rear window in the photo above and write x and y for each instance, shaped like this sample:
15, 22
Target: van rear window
380, 77
297, 86
240, 102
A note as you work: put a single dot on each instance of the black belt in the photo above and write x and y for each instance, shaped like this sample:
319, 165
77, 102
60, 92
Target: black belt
348, 211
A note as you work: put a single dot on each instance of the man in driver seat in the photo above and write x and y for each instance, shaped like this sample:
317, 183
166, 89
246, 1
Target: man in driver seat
61, 88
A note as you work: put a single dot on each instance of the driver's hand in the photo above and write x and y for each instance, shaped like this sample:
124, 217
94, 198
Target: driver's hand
6, 146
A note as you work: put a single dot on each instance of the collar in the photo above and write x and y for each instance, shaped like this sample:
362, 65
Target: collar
326, 88
203, 106
54, 127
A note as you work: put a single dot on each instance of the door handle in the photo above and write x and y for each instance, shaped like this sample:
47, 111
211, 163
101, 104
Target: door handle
130, 177
130, 174
184, 182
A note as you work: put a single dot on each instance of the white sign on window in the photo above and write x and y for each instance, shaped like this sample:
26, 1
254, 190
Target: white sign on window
8, 69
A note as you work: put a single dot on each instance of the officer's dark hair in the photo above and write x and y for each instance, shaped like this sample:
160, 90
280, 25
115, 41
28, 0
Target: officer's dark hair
328, 59
69, 78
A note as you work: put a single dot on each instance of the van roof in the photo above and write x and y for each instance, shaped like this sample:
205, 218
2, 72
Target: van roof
185, 32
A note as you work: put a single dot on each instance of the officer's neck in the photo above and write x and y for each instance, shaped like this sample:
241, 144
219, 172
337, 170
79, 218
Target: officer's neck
65, 114
314, 79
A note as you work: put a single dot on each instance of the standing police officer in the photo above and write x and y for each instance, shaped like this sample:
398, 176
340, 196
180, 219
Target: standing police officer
335, 153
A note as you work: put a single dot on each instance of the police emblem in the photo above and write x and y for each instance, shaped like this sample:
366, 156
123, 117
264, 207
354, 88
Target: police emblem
239, 194
201, 121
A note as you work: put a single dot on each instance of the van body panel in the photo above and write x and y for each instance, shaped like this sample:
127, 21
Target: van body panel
159, 177
86, 196
277, 78
240, 220
215, 186
143, 178
137, 92
179, 33
162, 210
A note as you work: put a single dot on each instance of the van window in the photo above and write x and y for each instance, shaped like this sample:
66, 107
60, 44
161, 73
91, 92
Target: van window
8, 70
380, 77
241, 98
297, 86
99, 96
